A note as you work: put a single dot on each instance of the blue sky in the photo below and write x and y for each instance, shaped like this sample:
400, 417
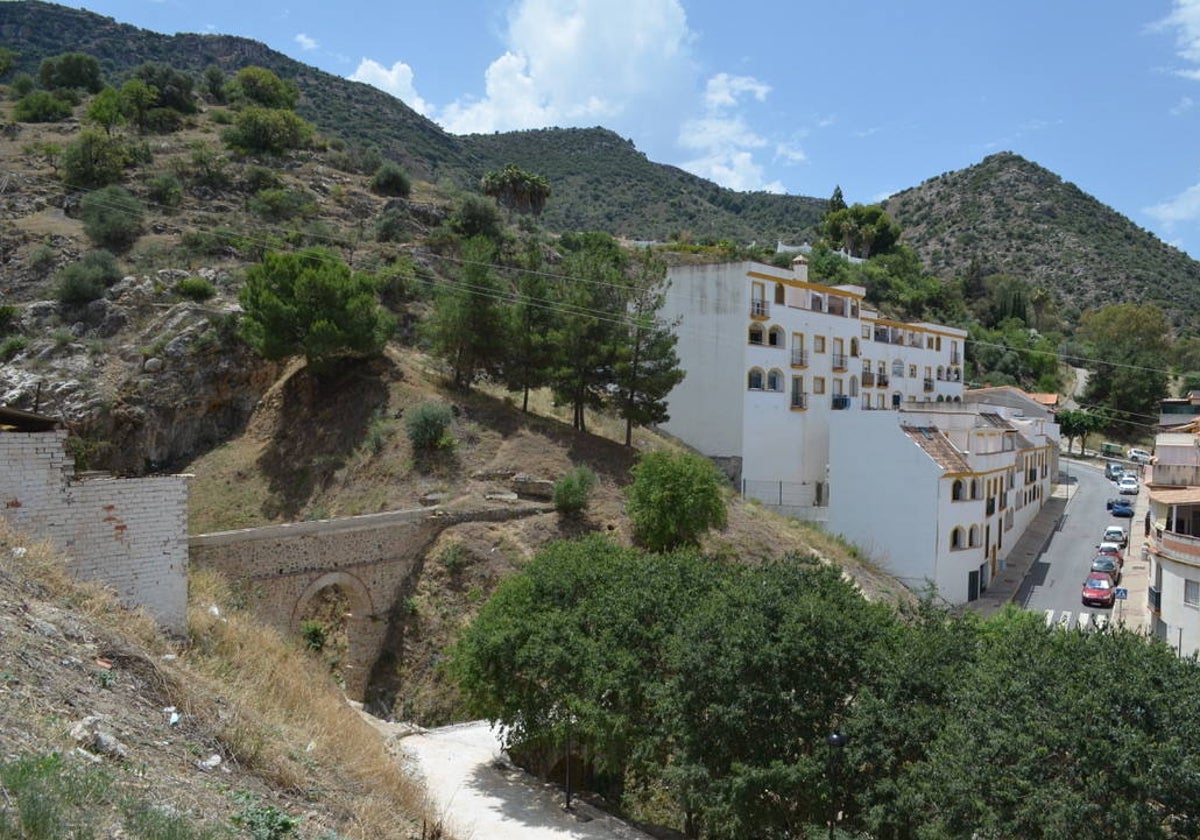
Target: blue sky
785, 95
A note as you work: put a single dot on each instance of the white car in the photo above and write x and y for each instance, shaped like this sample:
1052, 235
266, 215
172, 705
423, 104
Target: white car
1128, 485
1115, 534
1138, 456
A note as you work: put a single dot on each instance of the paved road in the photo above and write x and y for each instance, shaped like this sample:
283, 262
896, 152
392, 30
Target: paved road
481, 796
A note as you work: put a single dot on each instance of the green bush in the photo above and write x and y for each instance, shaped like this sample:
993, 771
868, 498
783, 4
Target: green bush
259, 178
112, 218
390, 179
8, 317
428, 426
278, 205
674, 499
195, 288
272, 131
391, 226
41, 106
573, 491
84, 281
11, 346
260, 86
94, 160
166, 189
22, 84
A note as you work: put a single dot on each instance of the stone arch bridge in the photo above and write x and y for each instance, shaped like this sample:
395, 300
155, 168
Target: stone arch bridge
373, 559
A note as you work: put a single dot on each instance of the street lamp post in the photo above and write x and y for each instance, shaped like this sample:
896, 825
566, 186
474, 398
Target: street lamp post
836, 742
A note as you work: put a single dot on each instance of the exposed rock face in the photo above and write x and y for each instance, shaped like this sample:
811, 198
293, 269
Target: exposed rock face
147, 382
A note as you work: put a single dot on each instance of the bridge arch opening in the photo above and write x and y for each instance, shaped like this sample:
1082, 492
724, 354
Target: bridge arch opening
336, 615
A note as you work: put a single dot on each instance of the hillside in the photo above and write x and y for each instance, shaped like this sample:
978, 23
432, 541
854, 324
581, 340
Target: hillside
1003, 215
1006, 215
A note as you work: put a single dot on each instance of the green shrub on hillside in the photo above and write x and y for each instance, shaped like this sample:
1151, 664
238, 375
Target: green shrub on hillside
112, 217
40, 106
674, 499
195, 288
391, 179
279, 205
428, 426
166, 190
271, 131
94, 160
84, 281
573, 491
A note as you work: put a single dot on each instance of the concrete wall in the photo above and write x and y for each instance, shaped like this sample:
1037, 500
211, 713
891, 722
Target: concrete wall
129, 533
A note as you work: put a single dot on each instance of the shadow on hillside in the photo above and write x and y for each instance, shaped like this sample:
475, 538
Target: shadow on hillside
321, 421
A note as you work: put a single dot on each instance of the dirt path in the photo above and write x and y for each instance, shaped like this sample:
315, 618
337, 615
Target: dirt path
481, 796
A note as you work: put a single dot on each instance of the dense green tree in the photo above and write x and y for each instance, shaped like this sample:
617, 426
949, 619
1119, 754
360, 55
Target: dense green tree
1127, 347
86, 279
468, 327
674, 500
112, 217
273, 131
391, 179
310, 303
760, 673
1075, 423
836, 202
105, 110
8, 60
137, 100
517, 190
259, 86
531, 351
475, 216
588, 332
173, 88
647, 366
861, 230
71, 70
213, 83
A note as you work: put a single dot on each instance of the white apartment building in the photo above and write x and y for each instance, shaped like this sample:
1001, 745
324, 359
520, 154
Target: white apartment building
827, 411
1173, 542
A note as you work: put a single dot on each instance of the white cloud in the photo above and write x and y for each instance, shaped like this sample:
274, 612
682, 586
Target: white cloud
584, 63
1185, 19
1184, 207
305, 42
398, 81
723, 90
1181, 107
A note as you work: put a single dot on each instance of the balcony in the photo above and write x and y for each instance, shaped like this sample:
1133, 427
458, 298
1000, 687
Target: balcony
955, 359
799, 399
868, 379
760, 309
799, 358
841, 402
928, 383
839, 361
1154, 600
882, 381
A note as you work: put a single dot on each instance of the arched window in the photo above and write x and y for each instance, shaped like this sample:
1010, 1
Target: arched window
974, 488
756, 334
956, 538
776, 337
779, 293
755, 380
775, 380
973, 537
956, 490
898, 369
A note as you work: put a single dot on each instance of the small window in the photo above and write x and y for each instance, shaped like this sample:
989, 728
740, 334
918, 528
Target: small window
779, 293
755, 380
819, 343
775, 338
775, 381
912, 371
898, 369
756, 334
956, 538
1191, 593
956, 490
818, 384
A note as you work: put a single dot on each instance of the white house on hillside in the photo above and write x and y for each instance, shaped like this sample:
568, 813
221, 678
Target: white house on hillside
827, 411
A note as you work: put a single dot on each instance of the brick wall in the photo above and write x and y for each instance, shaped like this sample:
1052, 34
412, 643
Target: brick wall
129, 533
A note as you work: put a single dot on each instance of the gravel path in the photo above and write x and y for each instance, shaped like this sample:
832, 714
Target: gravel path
483, 797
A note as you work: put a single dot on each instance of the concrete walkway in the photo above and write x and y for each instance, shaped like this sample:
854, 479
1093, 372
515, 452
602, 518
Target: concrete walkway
1004, 587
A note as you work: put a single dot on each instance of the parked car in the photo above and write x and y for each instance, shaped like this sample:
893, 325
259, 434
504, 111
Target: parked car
1121, 507
1099, 590
1128, 485
1108, 564
1113, 471
1112, 550
1138, 456
1116, 534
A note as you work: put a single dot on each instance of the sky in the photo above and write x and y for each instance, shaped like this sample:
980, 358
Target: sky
787, 96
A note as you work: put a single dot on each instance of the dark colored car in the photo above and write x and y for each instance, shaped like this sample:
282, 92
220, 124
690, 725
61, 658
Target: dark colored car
1109, 565
1099, 590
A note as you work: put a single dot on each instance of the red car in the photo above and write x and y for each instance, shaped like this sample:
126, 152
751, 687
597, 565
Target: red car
1099, 590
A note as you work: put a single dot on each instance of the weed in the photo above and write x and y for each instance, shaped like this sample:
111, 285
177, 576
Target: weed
262, 822
454, 558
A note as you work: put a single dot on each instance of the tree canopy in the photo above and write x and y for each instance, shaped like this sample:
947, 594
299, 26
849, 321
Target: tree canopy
517, 190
